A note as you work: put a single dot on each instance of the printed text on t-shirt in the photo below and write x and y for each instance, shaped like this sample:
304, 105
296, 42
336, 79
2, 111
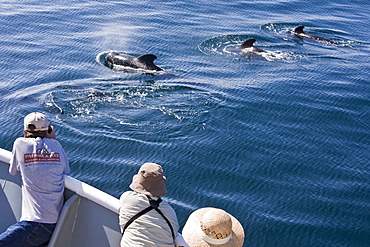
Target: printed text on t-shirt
34, 157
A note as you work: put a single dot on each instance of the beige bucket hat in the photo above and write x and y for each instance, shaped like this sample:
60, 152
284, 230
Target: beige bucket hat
213, 227
149, 180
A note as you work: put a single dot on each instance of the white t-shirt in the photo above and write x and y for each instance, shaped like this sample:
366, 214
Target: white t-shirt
42, 164
150, 229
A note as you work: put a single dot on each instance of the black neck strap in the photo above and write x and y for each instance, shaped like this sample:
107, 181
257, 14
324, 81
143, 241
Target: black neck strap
154, 204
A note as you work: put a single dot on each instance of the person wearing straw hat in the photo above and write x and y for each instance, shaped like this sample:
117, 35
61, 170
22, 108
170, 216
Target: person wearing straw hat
145, 219
42, 163
208, 227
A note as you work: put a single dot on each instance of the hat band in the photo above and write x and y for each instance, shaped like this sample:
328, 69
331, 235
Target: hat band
214, 241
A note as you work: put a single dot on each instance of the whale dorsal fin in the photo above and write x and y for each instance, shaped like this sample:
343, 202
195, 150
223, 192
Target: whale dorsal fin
248, 43
299, 29
147, 58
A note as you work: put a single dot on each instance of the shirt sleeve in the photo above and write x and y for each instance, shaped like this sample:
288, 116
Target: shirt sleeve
63, 154
122, 200
67, 169
13, 168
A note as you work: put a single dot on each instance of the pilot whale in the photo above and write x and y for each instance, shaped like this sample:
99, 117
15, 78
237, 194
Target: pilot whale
298, 31
145, 62
247, 47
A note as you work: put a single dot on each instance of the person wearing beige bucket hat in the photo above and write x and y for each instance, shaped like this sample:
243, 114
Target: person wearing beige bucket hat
145, 219
150, 180
208, 227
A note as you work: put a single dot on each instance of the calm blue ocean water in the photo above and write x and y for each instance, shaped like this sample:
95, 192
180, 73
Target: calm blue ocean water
281, 140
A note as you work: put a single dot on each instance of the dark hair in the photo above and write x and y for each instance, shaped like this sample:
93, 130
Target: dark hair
33, 134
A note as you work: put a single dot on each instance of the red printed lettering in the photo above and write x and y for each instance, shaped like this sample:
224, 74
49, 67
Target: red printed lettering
34, 157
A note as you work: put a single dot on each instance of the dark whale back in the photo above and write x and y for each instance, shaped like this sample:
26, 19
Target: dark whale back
298, 31
249, 44
145, 62
148, 61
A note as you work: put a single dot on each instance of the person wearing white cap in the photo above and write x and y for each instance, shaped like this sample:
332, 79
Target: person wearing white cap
145, 219
213, 227
42, 163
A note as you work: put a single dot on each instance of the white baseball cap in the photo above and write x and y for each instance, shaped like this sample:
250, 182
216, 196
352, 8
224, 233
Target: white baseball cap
39, 120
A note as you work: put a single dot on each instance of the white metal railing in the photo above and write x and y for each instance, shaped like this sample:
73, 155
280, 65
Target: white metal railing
80, 188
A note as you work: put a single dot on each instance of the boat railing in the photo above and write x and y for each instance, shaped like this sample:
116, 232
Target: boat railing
89, 216
78, 187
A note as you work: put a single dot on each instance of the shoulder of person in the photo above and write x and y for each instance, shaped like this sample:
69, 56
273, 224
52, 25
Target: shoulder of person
21, 140
52, 141
129, 194
125, 195
130, 197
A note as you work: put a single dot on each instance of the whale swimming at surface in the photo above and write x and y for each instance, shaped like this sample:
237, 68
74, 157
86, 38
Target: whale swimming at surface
123, 62
298, 31
247, 48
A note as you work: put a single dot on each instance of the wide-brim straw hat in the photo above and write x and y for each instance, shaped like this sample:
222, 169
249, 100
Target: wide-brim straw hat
213, 227
149, 180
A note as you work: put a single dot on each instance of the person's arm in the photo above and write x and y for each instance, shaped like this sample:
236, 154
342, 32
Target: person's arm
180, 242
51, 133
67, 170
13, 168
